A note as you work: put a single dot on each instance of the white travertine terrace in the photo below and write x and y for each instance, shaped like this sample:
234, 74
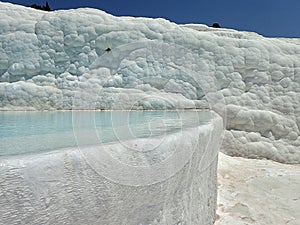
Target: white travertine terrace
46, 56
75, 186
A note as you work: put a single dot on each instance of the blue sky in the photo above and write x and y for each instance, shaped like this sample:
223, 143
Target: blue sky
273, 18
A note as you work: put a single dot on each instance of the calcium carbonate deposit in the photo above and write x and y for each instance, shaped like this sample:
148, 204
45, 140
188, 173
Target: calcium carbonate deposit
46, 57
87, 59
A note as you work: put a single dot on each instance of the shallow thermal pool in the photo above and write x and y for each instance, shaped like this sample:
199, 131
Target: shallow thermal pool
27, 132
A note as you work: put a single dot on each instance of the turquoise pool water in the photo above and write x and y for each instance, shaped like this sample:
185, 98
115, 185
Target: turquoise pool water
27, 132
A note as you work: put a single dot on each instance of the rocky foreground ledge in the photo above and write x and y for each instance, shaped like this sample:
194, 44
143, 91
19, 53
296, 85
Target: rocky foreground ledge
110, 184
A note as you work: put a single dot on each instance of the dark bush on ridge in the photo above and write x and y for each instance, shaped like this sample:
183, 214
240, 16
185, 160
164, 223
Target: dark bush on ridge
216, 25
45, 7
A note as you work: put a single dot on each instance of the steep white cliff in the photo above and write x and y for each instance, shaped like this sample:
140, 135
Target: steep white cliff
50, 60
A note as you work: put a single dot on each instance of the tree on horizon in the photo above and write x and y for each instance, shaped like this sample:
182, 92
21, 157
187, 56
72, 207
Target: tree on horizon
216, 25
45, 8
